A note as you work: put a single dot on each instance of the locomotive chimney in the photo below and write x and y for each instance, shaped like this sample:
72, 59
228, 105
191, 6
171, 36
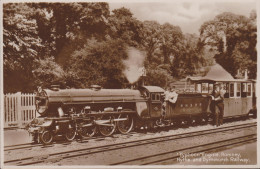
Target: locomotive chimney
132, 86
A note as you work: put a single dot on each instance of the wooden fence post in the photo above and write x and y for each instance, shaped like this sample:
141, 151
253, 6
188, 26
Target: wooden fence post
19, 111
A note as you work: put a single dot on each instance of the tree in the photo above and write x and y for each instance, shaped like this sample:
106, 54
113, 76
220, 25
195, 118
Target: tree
36, 33
171, 41
66, 26
151, 38
47, 72
234, 38
124, 26
188, 61
21, 46
158, 75
98, 63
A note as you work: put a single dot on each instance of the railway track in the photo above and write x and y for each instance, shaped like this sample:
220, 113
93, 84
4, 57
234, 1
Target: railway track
158, 159
32, 145
55, 157
29, 146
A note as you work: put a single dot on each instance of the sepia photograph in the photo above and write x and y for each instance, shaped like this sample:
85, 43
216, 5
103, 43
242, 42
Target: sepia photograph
129, 84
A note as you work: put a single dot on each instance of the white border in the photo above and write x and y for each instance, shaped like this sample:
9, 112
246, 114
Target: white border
130, 1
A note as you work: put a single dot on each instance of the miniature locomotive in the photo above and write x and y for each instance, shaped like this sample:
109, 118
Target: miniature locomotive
85, 112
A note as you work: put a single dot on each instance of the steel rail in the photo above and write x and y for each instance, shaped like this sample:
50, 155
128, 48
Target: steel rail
31, 145
202, 148
92, 150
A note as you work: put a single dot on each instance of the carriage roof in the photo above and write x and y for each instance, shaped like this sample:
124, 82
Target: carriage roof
202, 79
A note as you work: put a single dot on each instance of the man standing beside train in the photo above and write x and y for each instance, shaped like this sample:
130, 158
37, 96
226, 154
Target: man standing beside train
218, 102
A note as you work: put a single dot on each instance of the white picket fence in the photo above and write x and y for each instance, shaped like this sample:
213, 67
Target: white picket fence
19, 109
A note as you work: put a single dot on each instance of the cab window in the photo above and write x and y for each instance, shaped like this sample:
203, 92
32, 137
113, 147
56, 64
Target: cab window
158, 97
155, 96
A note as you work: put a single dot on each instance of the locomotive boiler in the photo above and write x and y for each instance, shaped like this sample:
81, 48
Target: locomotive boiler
85, 112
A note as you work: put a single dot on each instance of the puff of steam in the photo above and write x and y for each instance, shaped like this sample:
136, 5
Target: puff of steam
133, 64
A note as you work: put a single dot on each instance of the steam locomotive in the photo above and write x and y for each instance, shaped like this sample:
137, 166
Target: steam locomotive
85, 112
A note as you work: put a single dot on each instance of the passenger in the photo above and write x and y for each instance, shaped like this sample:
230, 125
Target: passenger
167, 93
218, 102
173, 95
166, 96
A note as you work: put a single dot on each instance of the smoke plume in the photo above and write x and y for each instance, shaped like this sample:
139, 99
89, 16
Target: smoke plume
134, 63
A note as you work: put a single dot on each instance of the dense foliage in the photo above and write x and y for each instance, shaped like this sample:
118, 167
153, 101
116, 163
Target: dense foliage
233, 37
80, 44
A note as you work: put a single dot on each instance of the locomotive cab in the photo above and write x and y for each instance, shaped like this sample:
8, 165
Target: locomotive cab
154, 96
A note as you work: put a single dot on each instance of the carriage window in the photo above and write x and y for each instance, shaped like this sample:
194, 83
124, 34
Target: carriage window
254, 86
238, 89
248, 89
198, 87
244, 91
205, 87
232, 90
226, 88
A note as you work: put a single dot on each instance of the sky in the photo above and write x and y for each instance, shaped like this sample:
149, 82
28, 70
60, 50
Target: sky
189, 15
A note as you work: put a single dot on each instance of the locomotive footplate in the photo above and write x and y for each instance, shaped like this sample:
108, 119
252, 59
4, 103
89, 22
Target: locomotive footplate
58, 118
110, 113
39, 127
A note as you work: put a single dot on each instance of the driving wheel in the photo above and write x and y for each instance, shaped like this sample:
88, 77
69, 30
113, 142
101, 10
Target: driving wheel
109, 127
126, 125
70, 134
87, 130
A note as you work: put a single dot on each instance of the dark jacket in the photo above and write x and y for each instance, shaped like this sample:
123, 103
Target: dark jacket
218, 95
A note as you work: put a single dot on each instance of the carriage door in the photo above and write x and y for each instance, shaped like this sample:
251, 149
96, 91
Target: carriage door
155, 105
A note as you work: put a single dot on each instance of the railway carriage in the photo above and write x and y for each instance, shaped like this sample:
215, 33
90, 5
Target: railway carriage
239, 97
